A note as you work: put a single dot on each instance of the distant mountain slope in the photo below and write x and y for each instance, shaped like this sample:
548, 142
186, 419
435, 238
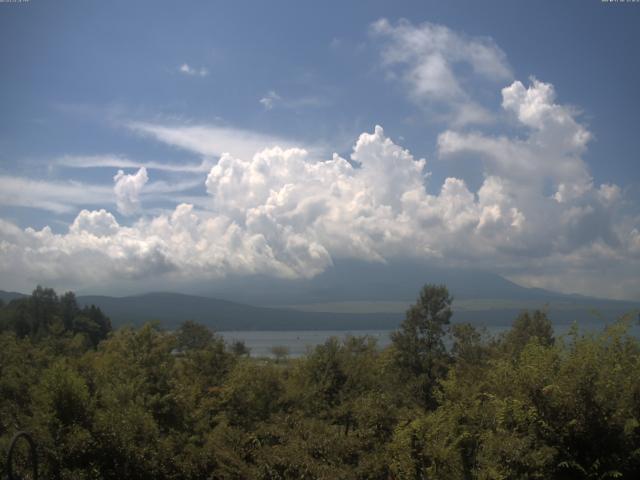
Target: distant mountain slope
6, 297
171, 309
350, 280
351, 295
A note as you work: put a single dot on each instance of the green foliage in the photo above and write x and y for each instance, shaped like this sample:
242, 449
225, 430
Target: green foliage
420, 353
193, 336
251, 394
526, 327
44, 314
280, 352
151, 404
239, 349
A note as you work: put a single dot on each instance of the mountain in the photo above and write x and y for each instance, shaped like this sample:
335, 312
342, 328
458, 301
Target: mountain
350, 280
171, 309
349, 296
6, 297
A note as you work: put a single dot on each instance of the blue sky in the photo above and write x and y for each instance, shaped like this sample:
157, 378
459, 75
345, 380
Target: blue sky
538, 182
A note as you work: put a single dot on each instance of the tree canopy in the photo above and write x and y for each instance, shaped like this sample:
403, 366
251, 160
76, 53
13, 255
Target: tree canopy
443, 401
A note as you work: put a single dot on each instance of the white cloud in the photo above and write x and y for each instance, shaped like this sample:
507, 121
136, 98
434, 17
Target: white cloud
95, 251
284, 214
273, 208
99, 223
64, 197
54, 196
211, 140
535, 107
127, 189
186, 69
431, 60
270, 99
551, 151
609, 194
118, 161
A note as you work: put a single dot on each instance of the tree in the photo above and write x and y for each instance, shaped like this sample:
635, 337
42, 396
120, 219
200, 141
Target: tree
100, 319
69, 309
527, 327
252, 393
240, 349
193, 336
43, 309
62, 409
419, 348
280, 352
468, 348
44, 314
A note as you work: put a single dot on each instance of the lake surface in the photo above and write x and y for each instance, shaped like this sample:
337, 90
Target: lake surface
300, 341
297, 341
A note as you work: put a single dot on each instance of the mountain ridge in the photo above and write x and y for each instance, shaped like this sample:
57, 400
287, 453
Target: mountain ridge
349, 295
171, 309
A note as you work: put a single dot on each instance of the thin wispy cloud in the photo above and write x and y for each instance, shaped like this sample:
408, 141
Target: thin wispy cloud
118, 161
273, 100
211, 140
270, 100
53, 196
64, 197
186, 69
160, 189
432, 61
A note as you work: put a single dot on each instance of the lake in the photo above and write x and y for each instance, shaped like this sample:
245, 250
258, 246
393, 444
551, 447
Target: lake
297, 341
300, 341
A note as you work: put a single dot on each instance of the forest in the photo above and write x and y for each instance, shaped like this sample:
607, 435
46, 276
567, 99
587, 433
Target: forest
444, 401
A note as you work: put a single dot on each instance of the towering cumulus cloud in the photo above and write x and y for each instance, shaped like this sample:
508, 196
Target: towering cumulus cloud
127, 189
281, 213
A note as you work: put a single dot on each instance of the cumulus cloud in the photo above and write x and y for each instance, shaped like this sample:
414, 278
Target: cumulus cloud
282, 213
95, 251
551, 151
127, 189
431, 60
571, 226
279, 213
186, 69
99, 223
278, 208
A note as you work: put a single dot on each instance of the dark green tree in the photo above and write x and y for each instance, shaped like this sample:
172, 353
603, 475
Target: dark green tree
69, 309
527, 327
420, 353
469, 350
240, 349
193, 336
44, 310
280, 352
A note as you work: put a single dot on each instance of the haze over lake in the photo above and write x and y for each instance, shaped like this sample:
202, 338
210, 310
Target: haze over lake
301, 342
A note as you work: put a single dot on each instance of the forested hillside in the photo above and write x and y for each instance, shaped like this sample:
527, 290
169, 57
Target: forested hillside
146, 403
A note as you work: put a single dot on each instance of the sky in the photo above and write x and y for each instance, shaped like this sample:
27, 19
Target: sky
181, 142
